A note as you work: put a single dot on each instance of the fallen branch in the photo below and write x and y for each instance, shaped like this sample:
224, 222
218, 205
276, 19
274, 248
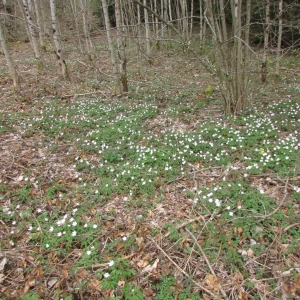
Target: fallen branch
182, 271
208, 263
291, 226
84, 94
187, 223
195, 172
105, 265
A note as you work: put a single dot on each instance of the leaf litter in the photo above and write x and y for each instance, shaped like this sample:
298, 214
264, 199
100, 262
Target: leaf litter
169, 235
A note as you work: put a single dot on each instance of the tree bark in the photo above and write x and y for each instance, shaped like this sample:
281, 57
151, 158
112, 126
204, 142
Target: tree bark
58, 51
9, 61
247, 38
39, 23
147, 33
86, 31
278, 54
32, 30
121, 47
118, 88
266, 44
239, 74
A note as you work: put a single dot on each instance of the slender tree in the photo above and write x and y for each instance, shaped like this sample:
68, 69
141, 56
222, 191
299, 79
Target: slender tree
118, 88
202, 34
278, 54
58, 50
121, 47
147, 31
86, 31
238, 68
9, 61
247, 38
75, 22
32, 30
39, 23
266, 42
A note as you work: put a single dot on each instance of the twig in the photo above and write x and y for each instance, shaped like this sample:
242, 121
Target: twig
291, 226
281, 203
84, 94
182, 271
98, 266
193, 173
207, 261
187, 223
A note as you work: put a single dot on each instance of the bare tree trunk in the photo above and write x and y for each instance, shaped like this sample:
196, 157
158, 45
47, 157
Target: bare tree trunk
147, 29
225, 73
278, 54
266, 43
156, 26
170, 11
9, 61
32, 31
239, 74
202, 33
75, 23
39, 23
86, 31
223, 20
118, 88
164, 14
192, 19
184, 17
20, 4
58, 52
121, 47
247, 38
139, 43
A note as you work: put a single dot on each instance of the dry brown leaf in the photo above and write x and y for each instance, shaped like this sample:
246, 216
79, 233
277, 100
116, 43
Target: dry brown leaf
142, 263
150, 214
52, 256
52, 282
38, 272
148, 292
28, 284
121, 283
212, 282
242, 295
250, 252
82, 273
237, 278
95, 284
183, 241
1, 277
139, 241
3, 263
289, 287
297, 281
65, 272
151, 268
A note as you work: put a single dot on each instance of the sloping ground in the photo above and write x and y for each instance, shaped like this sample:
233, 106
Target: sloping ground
153, 195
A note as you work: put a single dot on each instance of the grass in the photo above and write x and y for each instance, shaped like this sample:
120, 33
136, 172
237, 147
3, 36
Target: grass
131, 199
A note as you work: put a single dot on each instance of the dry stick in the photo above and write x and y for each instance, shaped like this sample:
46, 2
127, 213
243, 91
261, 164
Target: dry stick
98, 266
291, 226
207, 261
187, 223
76, 95
281, 203
91, 67
182, 271
194, 172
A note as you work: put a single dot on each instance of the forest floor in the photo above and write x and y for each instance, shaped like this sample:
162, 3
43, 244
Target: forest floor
150, 195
